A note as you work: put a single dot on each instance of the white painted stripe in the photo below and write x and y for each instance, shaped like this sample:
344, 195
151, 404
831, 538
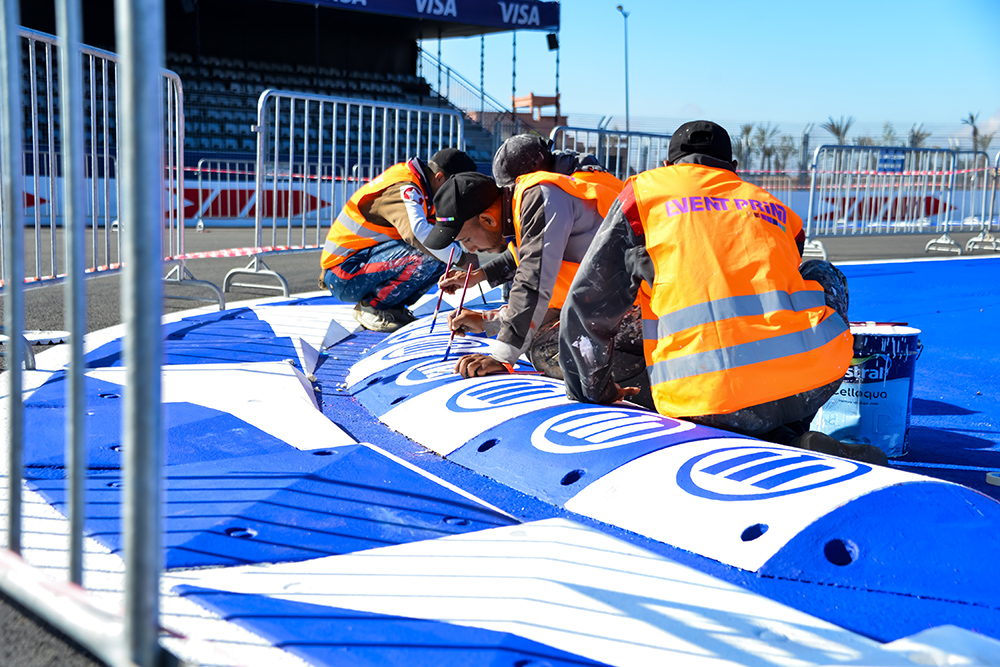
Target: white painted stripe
565, 585
194, 633
309, 323
267, 395
646, 496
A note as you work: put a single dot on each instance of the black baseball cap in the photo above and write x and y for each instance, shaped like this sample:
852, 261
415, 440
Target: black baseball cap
519, 155
700, 136
453, 161
462, 196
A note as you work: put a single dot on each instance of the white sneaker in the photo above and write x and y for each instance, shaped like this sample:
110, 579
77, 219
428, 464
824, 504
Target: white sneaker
378, 319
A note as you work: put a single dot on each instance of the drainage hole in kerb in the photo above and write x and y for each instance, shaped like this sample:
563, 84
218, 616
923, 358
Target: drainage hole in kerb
572, 477
488, 445
241, 533
841, 552
109, 395
753, 532
399, 399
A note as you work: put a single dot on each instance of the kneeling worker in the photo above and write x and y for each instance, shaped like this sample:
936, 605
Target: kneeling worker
552, 219
375, 253
736, 334
527, 153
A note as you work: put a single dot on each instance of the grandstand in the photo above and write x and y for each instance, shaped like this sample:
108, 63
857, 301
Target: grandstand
228, 52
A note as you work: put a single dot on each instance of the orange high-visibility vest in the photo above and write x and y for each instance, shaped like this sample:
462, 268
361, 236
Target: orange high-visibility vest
729, 322
605, 178
350, 232
600, 194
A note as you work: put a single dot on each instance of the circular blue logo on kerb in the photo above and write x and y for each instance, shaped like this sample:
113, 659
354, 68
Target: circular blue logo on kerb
505, 392
593, 428
415, 330
427, 371
435, 345
757, 472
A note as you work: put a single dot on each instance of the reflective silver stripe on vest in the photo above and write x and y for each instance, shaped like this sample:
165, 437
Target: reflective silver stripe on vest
734, 306
336, 250
744, 354
357, 228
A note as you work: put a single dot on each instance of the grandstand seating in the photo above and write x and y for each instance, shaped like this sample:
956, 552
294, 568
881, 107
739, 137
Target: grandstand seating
220, 102
220, 94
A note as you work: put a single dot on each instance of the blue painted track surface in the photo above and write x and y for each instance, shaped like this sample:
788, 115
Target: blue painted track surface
955, 427
886, 565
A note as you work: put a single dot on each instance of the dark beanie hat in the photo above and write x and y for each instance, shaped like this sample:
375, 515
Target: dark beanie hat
453, 161
700, 136
462, 196
519, 155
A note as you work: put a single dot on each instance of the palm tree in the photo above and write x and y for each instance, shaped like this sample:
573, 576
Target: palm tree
985, 139
889, 136
918, 136
762, 141
971, 122
741, 146
839, 128
785, 150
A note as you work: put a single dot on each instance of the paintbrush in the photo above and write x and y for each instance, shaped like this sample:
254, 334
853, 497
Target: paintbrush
461, 301
437, 308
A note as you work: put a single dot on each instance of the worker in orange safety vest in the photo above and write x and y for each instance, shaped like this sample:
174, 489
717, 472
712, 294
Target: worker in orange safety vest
736, 334
374, 253
550, 219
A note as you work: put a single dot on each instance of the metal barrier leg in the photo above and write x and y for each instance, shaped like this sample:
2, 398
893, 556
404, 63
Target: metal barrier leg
179, 275
943, 243
29, 353
256, 267
984, 240
814, 249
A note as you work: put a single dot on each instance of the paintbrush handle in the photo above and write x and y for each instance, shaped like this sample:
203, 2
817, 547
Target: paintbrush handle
461, 301
437, 307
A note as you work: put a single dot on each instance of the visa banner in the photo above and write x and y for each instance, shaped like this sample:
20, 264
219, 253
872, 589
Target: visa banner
514, 15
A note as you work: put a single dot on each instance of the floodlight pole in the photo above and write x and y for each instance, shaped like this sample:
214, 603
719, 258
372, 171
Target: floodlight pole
625, 16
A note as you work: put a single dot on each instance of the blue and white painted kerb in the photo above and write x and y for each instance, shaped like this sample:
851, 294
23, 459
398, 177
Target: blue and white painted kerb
734, 500
803, 558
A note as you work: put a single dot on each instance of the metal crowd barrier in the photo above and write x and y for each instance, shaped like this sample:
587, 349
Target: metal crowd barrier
43, 165
986, 239
873, 190
779, 183
622, 153
314, 152
131, 638
226, 191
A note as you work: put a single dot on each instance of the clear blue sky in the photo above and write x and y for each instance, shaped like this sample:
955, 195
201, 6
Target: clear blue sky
784, 61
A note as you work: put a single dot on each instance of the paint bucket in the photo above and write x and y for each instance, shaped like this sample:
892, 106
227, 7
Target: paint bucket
873, 403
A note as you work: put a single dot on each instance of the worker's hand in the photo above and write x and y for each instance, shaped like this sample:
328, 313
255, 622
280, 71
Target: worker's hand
625, 392
466, 321
454, 280
477, 365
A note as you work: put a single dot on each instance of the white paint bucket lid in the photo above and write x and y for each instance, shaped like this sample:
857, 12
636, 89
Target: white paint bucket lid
883, 328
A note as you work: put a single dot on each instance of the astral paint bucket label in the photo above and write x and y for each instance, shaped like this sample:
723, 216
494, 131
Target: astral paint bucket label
873, 403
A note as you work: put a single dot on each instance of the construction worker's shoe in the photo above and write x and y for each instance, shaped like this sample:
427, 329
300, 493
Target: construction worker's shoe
814, 441
381, 319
